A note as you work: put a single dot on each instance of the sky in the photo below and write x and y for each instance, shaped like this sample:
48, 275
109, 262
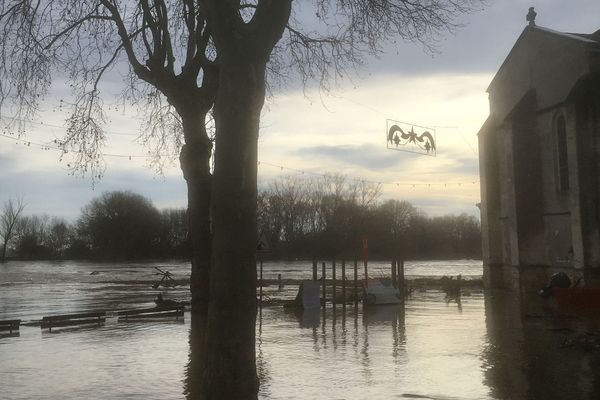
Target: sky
312, 133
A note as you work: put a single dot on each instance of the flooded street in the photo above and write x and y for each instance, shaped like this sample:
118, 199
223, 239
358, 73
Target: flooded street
493, 345
380, 353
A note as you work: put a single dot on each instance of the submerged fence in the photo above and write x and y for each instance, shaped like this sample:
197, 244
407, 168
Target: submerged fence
338, 289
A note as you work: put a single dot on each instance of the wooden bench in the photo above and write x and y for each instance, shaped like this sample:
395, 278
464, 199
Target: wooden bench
55, 321
10, 325
152, 313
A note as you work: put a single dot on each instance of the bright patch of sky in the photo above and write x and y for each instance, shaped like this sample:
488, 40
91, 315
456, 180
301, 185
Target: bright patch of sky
343, 131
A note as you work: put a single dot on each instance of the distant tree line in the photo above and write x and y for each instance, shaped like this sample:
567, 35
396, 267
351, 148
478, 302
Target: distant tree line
303, 218
114, 226
298, 218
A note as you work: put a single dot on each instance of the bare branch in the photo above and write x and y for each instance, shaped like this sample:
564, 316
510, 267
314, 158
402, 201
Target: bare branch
350, 30
81, 41
162, 132
68, 29
139, 69
167, 48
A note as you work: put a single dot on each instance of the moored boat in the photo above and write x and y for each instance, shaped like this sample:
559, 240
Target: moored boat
378, 294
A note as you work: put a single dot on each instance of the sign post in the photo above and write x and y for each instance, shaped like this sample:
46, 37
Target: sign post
402, 136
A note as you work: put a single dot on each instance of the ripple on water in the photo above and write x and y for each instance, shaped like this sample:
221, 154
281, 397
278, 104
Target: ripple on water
433, 348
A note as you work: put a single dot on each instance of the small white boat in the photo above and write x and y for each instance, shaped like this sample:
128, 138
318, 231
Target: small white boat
377, 293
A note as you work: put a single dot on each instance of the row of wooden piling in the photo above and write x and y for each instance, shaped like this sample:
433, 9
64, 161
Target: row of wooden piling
397, 278
334, 281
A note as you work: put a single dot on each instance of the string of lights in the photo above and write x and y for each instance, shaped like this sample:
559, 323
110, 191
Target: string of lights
53, 146
44, 124
396, 183
46, 146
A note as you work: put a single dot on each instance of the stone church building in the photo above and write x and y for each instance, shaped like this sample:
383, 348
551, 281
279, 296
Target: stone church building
539, 153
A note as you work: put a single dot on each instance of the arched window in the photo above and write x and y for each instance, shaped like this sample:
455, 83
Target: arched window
562, 159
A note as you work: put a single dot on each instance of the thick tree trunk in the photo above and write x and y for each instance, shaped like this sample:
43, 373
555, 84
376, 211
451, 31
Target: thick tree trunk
231, 369
195, 164
194, 159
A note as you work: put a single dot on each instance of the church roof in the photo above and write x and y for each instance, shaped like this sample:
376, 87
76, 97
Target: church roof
591, 36
583, 39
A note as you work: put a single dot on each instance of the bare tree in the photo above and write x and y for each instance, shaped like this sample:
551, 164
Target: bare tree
59, 235
247, 36
11, 212
291, 193
184, 57
164, 51
367, 193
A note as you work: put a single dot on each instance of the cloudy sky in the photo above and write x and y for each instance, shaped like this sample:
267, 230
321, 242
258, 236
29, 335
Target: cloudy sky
342, 132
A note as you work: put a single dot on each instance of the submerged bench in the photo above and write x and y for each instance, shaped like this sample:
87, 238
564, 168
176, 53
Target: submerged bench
152, 313
10, 325
56, 321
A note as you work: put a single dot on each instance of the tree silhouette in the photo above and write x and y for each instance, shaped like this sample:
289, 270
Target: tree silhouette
11, 212
247, 35
121, 225
163, 49
223, 49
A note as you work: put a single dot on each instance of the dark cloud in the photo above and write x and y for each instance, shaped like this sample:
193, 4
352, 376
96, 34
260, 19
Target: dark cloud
479, 46
484, 40
464, 166
368, 156
487, 37
376, 158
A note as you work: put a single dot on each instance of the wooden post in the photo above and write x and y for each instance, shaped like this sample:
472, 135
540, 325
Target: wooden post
260, 296
394, 274
314, 270
324, 289
355, 282
344, 283
333, 268
279, 282
400, 278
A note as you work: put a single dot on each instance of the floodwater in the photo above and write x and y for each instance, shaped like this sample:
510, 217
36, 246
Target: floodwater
492, 345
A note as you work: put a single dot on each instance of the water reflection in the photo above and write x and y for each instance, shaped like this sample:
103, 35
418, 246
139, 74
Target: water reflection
454, 298
307, 342
194, 373
498, 346
331, 347
394, 317
262, 364
526, 356
307, 319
